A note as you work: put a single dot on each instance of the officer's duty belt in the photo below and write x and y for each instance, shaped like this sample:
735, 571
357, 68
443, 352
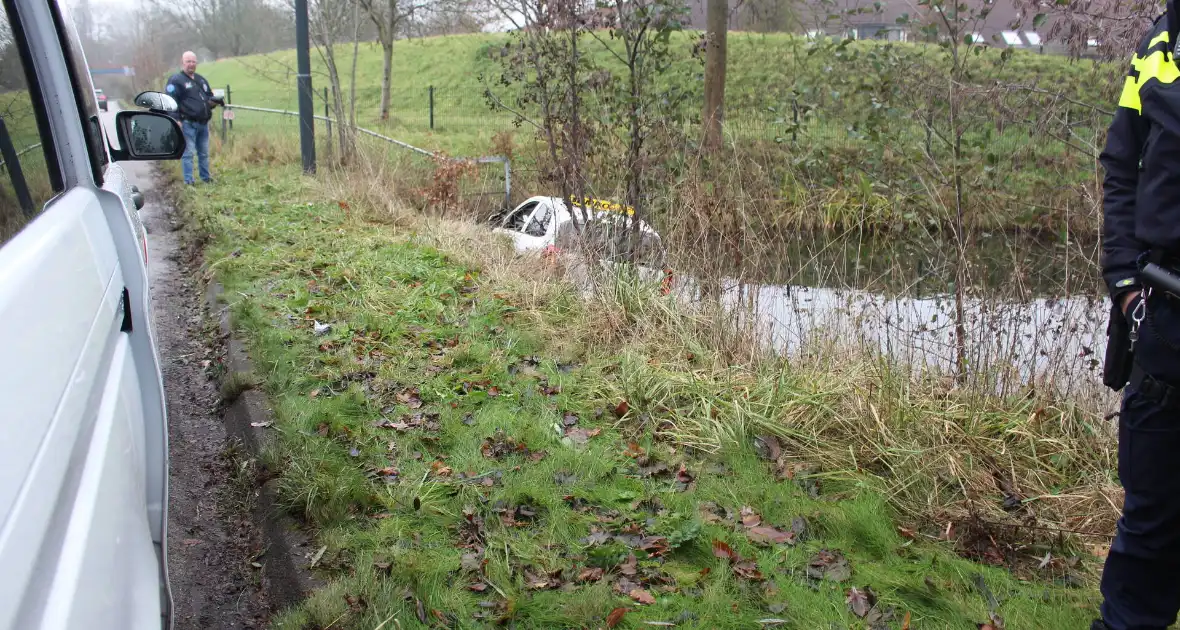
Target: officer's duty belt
1154, 389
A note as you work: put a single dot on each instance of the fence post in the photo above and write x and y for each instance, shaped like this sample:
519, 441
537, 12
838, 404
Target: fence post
432, 107
230, 100
795, 119
328, 122
223, 123
507, 184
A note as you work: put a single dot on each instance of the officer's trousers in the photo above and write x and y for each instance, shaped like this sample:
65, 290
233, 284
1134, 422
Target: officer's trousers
1141, 580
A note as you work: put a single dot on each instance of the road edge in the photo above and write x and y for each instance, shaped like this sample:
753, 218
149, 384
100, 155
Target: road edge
287, 547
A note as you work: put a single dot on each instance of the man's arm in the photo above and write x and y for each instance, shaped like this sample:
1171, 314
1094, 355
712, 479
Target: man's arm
1120, 159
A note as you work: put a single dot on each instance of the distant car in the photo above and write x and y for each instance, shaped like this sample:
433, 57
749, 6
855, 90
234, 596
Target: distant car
102, 99
545, 223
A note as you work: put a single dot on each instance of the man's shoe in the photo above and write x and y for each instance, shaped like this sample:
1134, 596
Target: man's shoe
207, 181
1099, 625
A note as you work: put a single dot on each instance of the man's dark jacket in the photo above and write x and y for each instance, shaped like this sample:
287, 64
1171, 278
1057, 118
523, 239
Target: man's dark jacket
192, 95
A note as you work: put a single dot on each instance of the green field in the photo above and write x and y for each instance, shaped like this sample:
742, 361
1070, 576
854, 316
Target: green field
762, 71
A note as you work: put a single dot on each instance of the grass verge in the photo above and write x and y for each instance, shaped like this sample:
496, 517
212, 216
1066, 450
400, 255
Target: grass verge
476, 444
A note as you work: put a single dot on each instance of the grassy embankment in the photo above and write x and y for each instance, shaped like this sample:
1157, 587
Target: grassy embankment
834, 176
472, 441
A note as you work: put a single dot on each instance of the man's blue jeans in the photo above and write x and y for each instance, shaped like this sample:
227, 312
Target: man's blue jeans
196, 136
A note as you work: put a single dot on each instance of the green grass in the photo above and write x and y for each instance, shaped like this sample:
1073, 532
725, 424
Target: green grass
438, 374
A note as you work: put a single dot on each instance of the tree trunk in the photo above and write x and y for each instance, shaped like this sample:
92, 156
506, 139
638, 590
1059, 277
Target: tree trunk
356, 45
717, 27
386, 76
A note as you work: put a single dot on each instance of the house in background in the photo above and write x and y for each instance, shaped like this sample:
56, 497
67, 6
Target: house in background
896, 20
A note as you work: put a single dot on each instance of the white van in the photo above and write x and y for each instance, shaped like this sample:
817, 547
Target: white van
83, 430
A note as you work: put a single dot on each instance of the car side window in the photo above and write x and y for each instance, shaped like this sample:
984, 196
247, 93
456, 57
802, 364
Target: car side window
29, 173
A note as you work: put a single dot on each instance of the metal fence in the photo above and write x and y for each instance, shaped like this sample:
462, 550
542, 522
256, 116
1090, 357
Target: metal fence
506, 189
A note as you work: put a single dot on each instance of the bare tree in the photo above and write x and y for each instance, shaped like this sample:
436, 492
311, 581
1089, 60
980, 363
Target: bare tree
716, 35
1117, 26
230, 28
387, 16
329, 25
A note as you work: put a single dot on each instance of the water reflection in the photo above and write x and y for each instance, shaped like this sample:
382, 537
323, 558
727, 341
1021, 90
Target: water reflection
1006, 343
917, 265
1033, 309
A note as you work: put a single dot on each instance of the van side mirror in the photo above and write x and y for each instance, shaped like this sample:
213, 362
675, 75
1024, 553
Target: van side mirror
147, 136
156, 102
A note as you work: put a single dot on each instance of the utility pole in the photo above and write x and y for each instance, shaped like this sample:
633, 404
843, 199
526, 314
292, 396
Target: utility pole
306, 114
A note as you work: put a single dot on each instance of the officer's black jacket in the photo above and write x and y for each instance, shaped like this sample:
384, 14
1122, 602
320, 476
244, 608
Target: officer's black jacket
192, 96
1141, 190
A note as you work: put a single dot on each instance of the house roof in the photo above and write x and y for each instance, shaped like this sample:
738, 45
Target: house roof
833, 16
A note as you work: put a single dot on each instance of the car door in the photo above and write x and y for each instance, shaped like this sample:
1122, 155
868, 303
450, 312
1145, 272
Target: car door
83, 459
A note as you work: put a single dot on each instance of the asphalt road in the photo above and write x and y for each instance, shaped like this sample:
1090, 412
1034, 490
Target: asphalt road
212, 540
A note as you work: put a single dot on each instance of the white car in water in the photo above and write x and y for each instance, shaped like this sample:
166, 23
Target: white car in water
540, 223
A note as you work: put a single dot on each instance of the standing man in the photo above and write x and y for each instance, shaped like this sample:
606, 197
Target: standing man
1141, 207
196, 103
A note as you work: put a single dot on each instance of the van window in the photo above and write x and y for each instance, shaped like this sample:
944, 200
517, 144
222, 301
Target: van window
83, 89
29, 174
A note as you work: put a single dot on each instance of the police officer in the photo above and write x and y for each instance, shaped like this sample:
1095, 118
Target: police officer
196, 103
1141, 199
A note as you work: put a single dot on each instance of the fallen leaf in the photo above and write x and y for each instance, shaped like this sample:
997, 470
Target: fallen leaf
314, 393
767, 447
356, 603
322, 430
995, 622
633, 450
750, 518
615, 617
642, 596
747, 569
622, 408
421, 610
261, 425
478, 587
189, 542
440, 468
860, 602
712, 513
344, 205
770, 535
829, 565
906, 533
581, 436
470, 562
591, 575
905, 624
493, 391
722, 550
